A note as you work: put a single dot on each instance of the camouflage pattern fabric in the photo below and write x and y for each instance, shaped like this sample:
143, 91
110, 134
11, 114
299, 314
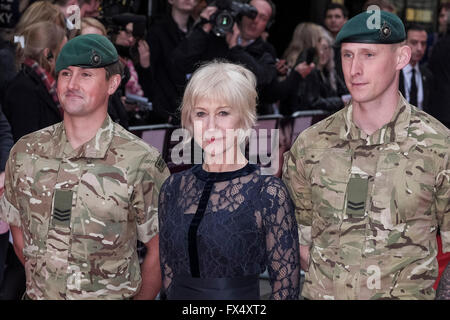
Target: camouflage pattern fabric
386, 249
82, 211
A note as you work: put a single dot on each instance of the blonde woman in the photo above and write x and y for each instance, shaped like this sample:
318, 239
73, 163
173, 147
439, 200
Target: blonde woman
323, 88
92, 25
306, 35
222, 222
40, 11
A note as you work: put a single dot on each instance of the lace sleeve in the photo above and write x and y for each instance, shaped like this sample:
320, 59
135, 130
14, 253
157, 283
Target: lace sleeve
164, 200
443, 290
281, 233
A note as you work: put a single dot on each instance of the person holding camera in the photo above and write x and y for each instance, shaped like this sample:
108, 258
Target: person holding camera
322, 89
241, 42
125, 42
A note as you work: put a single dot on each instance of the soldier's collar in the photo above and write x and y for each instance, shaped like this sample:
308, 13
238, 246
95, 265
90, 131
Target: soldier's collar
394, 131
95, 148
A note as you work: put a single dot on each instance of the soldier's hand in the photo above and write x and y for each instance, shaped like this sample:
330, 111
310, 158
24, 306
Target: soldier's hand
304, 69
144, 54
206, 15
304, 257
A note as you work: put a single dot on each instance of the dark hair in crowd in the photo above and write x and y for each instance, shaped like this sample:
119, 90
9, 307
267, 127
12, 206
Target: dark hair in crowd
272, 5
333, 6
415, 27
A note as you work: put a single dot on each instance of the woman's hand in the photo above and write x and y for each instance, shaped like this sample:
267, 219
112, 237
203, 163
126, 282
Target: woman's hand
144, 54
304, 69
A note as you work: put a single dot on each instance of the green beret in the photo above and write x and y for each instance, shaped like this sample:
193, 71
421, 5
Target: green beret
372, 27
87, 51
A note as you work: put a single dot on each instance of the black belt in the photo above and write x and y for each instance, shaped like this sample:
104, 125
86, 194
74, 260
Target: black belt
190, 288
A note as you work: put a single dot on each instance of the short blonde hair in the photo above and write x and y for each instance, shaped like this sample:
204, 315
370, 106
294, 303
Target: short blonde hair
92, 22
221, 81
40, 11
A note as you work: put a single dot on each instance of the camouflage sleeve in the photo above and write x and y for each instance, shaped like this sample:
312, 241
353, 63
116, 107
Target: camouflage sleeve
443, 204
300, 190
9, 208
151, 175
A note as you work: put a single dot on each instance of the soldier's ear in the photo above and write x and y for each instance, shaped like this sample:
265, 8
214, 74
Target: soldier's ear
114, 83
403, 56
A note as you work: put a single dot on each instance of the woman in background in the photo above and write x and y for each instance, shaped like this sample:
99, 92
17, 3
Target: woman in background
30, 101
323, 89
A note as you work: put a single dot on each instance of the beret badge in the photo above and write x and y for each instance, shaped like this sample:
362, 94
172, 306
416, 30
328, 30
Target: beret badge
385, 31
96, 60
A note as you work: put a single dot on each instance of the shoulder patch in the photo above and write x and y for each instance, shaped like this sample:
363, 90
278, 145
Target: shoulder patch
160, 164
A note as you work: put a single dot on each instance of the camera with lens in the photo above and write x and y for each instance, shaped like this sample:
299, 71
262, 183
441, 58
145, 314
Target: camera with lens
228, 13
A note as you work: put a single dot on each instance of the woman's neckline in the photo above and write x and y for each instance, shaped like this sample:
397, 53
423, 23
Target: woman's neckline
204, 175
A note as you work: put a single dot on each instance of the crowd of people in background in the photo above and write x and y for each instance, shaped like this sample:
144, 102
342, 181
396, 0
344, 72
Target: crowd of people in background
160, 58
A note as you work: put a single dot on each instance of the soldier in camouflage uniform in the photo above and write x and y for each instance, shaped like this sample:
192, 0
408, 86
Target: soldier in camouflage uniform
371, 183
79, 194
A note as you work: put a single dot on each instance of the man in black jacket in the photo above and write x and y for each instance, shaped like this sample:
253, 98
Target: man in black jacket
163, 37
416, 89
245, 46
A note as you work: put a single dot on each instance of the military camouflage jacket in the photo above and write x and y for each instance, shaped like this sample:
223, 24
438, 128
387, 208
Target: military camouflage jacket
82, 211
369, 206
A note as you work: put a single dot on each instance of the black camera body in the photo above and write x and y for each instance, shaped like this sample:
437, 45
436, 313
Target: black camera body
308, 55
228, 13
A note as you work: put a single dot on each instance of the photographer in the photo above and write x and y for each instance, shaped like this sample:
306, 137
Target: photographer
244, 45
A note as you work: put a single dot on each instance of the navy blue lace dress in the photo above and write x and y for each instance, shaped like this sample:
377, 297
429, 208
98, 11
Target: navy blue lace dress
219, 231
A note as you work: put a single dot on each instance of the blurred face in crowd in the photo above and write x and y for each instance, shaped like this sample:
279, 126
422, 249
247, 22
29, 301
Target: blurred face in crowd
334, 20
183, 5
252, 29
85, 91
370, 70
125, 37
211, 119
324, 50
417, 41
443, 18
90, 9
